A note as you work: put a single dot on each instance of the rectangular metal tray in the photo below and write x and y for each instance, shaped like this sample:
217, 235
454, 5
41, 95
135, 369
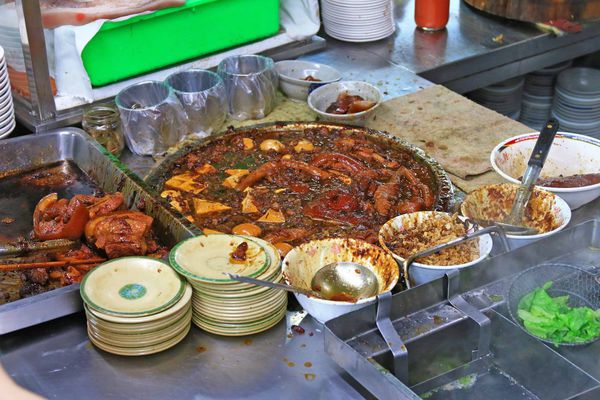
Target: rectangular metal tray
72, 144
431, 329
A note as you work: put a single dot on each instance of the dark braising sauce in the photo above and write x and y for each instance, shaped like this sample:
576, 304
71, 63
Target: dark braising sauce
301, 185
20, 193
571, 181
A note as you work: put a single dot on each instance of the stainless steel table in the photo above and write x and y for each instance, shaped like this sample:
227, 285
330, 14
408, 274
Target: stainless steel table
465, 56
57, 360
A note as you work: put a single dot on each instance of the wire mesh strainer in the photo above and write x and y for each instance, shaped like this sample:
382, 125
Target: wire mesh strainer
582, 287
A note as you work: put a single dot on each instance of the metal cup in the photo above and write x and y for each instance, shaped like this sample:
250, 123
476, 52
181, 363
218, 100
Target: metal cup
153, 119
202, 94
251, 85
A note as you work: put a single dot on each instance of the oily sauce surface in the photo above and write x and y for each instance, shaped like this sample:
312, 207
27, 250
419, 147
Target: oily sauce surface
291, 187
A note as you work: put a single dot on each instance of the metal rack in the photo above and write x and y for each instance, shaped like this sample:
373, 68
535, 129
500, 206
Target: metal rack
39, 113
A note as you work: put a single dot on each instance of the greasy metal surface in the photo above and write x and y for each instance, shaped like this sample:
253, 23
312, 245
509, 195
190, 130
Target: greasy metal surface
445, 192
29, 152
57, 360
463, 57
424, 319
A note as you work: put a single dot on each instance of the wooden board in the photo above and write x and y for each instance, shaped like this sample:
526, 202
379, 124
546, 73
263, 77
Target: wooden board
457, 132
540, 10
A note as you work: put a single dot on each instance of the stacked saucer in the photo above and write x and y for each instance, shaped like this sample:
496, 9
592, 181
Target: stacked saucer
7, 112
503, 97
136, 306
577, 101
223, 306
358, 20
538, 93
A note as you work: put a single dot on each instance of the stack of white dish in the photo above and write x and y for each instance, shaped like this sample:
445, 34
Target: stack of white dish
503, 97
358, 20
223, 306
538, 94
7, 112
136, 306
577, 101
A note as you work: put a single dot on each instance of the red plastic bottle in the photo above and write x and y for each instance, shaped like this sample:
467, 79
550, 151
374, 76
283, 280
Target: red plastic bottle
432, 15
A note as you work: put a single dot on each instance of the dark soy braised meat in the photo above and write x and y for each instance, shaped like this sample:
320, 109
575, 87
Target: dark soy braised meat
300, 185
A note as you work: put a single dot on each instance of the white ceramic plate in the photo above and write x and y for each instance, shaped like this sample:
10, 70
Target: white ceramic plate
132, 287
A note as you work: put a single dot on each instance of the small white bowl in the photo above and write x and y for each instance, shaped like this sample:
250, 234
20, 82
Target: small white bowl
570, 154
423, 273
292, 74
553, 203
322, 97
302, 262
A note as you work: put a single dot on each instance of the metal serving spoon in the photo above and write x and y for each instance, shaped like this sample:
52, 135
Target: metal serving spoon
273, 285
532, 173
348, 281
341, 281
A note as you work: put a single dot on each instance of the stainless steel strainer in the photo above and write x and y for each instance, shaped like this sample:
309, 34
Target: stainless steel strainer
582, 287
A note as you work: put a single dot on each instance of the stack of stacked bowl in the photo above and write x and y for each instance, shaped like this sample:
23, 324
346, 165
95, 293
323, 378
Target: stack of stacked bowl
504, 97
358, 20
538, 94
577, 101
136, 306
223, 306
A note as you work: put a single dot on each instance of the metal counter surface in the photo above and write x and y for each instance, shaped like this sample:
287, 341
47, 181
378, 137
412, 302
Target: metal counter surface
469, 53
57, 360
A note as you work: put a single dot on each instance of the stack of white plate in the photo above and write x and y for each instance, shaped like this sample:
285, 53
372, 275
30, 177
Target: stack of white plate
503, 97
7, 112
358, 20
577, 101
136, 306
223, 306
538, 94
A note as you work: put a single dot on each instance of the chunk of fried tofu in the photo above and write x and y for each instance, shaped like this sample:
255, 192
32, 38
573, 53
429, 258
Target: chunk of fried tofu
234, 177
273, 217
206, 169
248, 205
186, 183
175, 199
208, 231
203, 207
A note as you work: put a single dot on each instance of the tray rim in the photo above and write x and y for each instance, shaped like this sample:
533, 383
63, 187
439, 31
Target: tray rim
445, 199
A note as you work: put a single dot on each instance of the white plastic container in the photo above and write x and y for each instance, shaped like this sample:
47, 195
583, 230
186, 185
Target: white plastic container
570, 154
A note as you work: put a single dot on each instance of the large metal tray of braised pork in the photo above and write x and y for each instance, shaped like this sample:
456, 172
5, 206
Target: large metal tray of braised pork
453, 338
78, 165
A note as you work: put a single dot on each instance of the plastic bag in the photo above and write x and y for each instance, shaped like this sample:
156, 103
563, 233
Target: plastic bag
153, 119
250, 84
202, 95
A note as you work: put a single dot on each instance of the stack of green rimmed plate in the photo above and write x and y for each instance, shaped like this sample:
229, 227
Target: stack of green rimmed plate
136, 306
223, 306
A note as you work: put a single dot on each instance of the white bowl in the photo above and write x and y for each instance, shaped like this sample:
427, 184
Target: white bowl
570, 154
292, 74
423, 273
550, 201
302, 262
322, 97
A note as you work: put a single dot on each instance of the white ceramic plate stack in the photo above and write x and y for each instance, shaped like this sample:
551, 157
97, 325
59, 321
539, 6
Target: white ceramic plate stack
136, 306
504, 97
358, 20
538, 93
223, 306
7, 112
577, 101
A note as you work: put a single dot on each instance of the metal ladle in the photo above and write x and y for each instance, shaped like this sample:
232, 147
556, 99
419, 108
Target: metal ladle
345, 281
341, 281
